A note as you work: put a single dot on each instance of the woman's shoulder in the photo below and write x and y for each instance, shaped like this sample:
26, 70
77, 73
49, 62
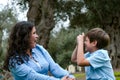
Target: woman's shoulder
15, 60
38, 46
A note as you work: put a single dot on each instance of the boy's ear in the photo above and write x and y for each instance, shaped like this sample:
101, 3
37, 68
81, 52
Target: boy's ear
94, 43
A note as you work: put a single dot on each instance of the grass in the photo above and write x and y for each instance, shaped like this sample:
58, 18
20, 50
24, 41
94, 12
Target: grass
82, 75
117, 75
78, 75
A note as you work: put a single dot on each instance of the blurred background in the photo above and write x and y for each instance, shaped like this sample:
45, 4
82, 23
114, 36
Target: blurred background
58, 22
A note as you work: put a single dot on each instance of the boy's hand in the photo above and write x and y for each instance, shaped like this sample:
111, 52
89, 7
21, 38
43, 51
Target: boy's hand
80, 39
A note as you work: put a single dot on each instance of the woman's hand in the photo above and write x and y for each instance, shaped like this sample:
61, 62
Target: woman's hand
67, 78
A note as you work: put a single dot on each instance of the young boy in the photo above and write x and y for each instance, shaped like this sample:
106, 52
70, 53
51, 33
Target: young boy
96, 60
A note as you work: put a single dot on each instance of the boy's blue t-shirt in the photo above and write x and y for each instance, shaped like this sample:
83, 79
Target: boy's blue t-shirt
101, 68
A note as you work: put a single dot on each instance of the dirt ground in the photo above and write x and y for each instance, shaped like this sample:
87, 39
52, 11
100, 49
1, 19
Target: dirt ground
117, 70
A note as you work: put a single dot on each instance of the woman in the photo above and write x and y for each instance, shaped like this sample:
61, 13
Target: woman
27, 60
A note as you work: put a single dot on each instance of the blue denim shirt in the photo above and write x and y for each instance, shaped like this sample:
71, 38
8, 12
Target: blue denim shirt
38, 67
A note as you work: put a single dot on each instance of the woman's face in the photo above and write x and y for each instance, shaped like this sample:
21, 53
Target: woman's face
33, 38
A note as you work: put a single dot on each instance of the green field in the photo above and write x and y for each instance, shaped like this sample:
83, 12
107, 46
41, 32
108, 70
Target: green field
81, 76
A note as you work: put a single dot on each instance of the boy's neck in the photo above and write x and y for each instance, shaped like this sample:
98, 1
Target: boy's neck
93, 50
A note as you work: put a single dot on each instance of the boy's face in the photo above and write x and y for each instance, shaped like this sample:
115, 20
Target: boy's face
89, 47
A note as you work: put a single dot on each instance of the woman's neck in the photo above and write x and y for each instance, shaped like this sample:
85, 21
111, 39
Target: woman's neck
29, 52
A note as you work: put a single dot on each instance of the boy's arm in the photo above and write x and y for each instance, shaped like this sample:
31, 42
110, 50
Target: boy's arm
74, 55
81, 60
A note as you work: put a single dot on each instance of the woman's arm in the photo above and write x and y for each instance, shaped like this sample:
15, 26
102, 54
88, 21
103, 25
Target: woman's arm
24, 72
54, 68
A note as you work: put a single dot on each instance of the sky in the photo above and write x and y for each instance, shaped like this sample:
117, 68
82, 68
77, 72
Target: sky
4, 2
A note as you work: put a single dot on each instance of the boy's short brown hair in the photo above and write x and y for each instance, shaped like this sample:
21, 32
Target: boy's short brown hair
99, 35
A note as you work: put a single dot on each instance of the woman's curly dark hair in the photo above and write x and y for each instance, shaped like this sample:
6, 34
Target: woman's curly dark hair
18, 43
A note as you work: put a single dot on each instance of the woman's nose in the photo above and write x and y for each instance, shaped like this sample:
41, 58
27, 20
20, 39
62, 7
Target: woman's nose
36, 35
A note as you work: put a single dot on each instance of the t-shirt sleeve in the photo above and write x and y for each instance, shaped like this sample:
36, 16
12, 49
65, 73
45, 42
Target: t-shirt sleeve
98, 59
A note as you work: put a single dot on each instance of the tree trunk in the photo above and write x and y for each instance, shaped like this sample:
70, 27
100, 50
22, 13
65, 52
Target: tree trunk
41, 14
114, 49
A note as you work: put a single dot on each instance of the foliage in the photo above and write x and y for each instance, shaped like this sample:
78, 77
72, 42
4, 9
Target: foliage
7, 16
96, 13
5, 75
88, 13
62, 45
7, 19
84, 14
